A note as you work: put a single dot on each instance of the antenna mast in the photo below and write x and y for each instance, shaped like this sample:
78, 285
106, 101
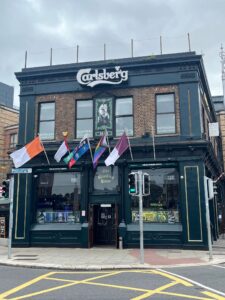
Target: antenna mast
222, 56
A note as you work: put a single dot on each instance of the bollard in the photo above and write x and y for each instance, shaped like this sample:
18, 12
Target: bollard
120, 242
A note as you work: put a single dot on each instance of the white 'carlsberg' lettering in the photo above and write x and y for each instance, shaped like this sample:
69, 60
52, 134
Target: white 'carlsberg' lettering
88, 78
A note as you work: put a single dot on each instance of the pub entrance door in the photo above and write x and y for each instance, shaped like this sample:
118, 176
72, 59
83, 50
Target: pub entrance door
105, 224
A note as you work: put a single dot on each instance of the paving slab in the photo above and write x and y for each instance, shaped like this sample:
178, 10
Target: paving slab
108, 258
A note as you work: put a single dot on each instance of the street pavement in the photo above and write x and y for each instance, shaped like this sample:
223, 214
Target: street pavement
104, 258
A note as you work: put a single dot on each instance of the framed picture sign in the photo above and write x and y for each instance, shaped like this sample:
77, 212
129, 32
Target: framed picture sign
103, 116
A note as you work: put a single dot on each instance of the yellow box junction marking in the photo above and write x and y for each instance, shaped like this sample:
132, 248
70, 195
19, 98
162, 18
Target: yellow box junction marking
103, 274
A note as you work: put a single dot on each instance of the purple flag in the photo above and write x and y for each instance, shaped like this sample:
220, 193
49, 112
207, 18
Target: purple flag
119, 149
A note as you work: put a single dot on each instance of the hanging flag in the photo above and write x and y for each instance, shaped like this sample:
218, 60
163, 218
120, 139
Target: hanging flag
63, 149
99, 150
68, 157
73, 157
119, 149
23, 155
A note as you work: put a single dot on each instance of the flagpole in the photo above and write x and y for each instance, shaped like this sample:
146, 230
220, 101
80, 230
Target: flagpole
65, 135
107, 139
129, 144
44, 149
90, 149
153, 143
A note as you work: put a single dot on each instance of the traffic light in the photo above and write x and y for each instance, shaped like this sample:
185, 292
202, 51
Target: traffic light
214, 188
5, 188
146, 184
133, 183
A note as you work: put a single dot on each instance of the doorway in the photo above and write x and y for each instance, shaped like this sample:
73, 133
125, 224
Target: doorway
104, 224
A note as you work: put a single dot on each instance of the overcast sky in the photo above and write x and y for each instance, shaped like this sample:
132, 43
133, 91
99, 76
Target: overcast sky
38, 25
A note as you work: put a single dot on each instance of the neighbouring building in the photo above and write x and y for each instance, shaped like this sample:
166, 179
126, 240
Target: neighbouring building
8, 137
161, 100
6, 95
218, 102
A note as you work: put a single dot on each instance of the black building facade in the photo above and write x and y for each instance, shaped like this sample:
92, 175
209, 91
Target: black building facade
163, 101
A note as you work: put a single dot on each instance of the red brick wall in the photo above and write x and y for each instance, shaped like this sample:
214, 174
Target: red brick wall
144, 108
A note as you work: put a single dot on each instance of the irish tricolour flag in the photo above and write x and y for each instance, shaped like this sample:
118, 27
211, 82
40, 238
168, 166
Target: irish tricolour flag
23, 155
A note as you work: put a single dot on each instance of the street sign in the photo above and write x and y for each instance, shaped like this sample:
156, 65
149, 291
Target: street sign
214, 129
21, 171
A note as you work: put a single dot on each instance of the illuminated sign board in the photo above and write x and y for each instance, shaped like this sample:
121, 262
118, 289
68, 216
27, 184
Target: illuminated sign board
92, 77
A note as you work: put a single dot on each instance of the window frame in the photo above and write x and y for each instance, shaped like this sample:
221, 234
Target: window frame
123, 116
48, 120
166, 113
34, 204
89, 118
15, 140
179, 202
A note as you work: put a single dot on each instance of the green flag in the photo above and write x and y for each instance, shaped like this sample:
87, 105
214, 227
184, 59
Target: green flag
68, 158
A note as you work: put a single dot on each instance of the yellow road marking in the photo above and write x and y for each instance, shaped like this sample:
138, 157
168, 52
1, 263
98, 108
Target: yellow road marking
218, 297
103, 274
123, 287
172, 277
44, 291
152, 292
51, 289
101, 284
60, 279
185, 296
24, 285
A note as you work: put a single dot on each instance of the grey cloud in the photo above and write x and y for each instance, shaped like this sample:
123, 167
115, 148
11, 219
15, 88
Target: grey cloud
38, 25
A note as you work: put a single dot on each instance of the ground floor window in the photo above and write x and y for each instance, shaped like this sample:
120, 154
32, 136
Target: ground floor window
58, 198
162, 205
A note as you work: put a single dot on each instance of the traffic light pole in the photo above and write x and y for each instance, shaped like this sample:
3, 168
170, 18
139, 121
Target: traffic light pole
11, 189
208, 220
140, 178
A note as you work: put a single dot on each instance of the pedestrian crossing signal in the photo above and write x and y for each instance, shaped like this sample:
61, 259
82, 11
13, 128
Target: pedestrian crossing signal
5, 189
146, 184
132, 183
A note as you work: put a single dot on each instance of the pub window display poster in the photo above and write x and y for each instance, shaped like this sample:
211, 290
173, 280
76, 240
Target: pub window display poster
103, 116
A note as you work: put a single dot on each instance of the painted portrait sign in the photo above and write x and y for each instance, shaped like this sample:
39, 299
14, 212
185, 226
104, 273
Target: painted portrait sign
103, 116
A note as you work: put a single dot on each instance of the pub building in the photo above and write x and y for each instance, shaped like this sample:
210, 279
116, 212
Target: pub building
164, 104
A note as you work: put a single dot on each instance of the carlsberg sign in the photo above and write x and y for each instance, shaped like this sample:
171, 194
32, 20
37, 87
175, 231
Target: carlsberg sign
92, 77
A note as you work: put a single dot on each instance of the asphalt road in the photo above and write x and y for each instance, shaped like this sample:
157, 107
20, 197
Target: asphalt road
207, 282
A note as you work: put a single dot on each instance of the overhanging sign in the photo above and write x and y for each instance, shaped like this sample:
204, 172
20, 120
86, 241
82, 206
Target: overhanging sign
214, 129
21, 171
92, 77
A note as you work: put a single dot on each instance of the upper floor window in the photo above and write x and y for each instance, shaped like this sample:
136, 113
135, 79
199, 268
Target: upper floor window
165, 114
84, 120
13, 140
124, 116
47, 121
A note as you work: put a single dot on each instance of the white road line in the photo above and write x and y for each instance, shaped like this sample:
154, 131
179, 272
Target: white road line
218, 266
195, 282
